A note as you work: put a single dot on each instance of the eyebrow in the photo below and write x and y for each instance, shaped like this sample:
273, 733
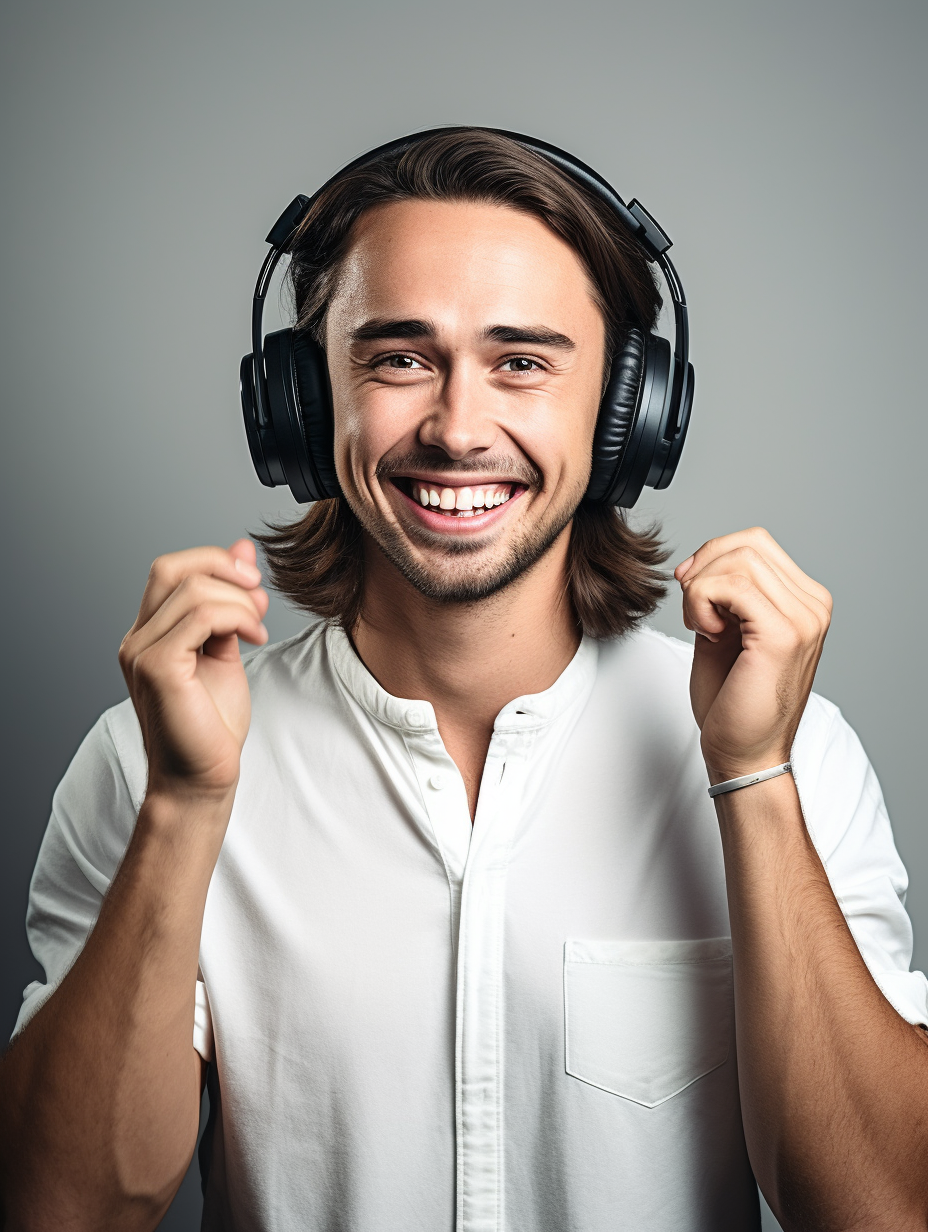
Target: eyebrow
537, 335
382, 329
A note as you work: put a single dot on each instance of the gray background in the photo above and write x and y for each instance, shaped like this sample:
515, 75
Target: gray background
146, 148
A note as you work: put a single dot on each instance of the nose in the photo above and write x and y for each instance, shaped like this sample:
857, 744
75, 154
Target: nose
460, 421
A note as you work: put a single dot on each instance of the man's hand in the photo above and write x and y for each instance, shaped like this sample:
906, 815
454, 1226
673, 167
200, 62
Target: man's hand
185, 675
831, 1078
760, 624
100, 1098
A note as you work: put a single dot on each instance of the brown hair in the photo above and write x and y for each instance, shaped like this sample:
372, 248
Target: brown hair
613, 571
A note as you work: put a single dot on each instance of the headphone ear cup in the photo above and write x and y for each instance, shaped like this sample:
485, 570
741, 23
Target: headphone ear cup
300, 412
616, 417
629, 449
260, 436
315, 402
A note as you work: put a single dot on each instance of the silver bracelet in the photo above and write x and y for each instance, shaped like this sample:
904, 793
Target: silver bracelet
748, 780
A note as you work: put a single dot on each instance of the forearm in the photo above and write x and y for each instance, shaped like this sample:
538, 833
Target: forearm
99, 1097
832, 1080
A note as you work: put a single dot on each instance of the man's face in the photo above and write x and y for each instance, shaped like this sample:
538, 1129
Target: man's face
466, 356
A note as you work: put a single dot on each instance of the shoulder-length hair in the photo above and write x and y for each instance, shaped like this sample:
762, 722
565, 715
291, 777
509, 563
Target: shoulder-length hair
317, 562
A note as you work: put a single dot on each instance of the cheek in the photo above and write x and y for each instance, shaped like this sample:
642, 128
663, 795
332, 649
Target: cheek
370, 422
560, 442
581, 439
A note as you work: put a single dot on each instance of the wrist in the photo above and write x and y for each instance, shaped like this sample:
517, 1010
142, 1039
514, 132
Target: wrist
176, 812
171, 856
769, 811
725, 775
721, 769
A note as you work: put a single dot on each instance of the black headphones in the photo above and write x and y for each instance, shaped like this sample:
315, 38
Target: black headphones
643, 415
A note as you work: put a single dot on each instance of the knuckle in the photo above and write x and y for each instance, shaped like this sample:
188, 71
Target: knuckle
204, 612
748, 554
127, 647
144, 666
820, 627
210, 612
193, 587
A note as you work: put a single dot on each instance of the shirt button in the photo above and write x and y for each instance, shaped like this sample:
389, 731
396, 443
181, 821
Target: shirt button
438, 781
415, 718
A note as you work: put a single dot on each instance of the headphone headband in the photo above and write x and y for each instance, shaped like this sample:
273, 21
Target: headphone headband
668, 421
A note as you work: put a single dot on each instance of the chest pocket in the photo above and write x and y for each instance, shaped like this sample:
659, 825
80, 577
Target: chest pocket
645, 1019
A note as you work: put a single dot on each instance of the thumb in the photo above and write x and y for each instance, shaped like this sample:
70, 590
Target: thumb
712, 661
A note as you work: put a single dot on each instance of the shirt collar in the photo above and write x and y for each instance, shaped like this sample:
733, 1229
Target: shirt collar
412, 715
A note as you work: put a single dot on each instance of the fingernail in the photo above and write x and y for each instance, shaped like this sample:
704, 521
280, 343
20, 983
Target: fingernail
682, 567
249, 570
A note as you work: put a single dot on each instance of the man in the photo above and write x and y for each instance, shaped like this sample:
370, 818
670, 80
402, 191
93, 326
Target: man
457, 928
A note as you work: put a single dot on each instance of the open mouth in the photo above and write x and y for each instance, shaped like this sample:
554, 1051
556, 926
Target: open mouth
468, 501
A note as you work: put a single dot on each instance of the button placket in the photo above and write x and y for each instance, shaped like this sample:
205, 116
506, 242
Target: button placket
445, 801
478, 1053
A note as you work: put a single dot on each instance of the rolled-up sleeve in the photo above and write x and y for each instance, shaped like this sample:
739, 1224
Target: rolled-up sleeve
93, 815
847, 820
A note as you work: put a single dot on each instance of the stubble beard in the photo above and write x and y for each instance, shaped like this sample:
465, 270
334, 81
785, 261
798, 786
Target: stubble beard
459, 577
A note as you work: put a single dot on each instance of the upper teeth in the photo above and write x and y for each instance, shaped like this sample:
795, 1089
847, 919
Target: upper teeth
461, 499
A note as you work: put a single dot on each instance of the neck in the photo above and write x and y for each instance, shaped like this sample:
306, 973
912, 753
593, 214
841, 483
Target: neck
468, 660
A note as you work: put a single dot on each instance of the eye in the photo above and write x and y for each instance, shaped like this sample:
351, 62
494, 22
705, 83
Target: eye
400, 363
520, 363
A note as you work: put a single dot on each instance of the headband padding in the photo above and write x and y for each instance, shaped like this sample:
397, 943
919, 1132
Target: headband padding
616, 414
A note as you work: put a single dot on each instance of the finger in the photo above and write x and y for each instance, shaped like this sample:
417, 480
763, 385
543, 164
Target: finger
244, 550
765, 545
798, 606
204, 623
169, 571
194, 592
762, 542
175, 656
710, 600
216, 620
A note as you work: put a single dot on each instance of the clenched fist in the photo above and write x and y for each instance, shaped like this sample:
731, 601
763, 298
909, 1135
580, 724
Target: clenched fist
184, 671
760, 624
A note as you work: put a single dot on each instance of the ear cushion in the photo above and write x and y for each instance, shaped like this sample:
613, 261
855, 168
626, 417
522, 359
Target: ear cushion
311, 377
616, 415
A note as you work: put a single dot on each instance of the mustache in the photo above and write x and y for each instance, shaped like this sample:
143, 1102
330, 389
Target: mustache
518, 469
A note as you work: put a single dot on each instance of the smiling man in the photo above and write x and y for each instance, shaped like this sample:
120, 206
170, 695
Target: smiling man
456, 932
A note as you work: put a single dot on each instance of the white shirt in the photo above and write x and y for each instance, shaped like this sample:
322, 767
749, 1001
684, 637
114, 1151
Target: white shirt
521, 1026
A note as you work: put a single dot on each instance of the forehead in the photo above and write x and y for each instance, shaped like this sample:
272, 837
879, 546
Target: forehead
452, 261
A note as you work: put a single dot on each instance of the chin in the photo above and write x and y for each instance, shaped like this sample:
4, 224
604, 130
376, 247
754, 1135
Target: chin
465, 571
459, 584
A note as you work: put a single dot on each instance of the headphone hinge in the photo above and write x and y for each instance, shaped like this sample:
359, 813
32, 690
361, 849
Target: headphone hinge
650, 235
